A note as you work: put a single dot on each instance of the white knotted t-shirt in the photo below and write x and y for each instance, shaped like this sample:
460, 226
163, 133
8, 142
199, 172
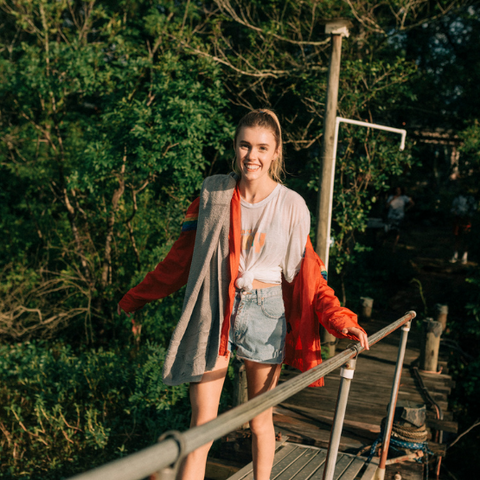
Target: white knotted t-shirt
274, 234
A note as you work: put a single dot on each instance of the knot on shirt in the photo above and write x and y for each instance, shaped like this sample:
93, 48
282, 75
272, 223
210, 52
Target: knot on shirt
245, 282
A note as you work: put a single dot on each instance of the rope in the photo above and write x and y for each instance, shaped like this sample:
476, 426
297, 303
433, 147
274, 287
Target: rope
401, 444
406, 433
411, 445
404, 437
427, 393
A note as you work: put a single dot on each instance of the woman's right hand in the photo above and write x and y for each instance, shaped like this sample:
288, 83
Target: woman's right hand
121, 312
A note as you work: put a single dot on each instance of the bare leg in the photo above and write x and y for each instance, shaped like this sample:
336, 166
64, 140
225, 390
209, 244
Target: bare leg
204, 397
262, 377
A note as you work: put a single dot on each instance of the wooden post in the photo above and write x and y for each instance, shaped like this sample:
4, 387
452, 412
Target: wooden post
431, 345
367, 306
441, 312
325, 191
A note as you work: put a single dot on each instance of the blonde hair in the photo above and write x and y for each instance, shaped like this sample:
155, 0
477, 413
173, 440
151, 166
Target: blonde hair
265, 118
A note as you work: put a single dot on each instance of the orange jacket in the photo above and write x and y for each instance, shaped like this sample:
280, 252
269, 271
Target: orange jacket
308, 299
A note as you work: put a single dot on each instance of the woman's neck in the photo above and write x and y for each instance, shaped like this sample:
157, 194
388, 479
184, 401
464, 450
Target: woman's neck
255, 192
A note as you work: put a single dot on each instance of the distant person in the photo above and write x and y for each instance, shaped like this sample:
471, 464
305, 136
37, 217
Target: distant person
254, 286
463, 209
397, 204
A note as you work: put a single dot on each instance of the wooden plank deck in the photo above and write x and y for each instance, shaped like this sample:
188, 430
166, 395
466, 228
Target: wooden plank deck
307, 417
300, 462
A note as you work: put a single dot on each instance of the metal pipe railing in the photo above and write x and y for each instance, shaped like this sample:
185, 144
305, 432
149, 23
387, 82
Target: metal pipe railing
157, 457
380, 474
346, 375
325, 254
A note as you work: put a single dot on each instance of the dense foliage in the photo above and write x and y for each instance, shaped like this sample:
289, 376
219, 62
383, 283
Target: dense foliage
61, 409
107, 132
112, 114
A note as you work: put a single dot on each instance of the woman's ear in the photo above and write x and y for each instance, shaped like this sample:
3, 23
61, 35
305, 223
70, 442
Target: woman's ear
278, 151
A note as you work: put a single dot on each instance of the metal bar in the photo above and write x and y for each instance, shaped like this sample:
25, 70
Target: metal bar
152, 459
346, 375
401, 131
328, 215
380, 473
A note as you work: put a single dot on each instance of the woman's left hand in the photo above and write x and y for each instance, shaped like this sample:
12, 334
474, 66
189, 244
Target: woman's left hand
360, 334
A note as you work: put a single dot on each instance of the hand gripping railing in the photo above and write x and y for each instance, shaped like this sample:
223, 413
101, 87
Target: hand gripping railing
162, 456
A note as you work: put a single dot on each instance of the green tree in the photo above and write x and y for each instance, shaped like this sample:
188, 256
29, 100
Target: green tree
107, 133
113, 113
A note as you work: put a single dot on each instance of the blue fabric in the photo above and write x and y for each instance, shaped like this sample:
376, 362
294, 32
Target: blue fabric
258, 325
188, 226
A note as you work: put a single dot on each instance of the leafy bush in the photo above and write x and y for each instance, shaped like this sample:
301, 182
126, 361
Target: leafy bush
65, 412
106, 134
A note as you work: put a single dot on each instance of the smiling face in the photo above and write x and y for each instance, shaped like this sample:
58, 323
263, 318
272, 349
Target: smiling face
255, 150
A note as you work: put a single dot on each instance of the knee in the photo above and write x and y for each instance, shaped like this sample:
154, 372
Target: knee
261, 425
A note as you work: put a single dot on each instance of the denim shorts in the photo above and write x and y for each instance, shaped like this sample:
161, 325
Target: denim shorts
258, 326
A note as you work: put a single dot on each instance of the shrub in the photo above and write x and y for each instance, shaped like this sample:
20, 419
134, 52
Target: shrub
65, 412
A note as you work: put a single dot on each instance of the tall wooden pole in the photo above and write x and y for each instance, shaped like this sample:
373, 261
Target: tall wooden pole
325, 192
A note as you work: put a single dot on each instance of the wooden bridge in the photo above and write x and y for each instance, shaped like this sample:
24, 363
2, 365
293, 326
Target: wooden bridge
305, 419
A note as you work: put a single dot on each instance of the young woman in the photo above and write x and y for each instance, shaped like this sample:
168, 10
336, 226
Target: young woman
254, 285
